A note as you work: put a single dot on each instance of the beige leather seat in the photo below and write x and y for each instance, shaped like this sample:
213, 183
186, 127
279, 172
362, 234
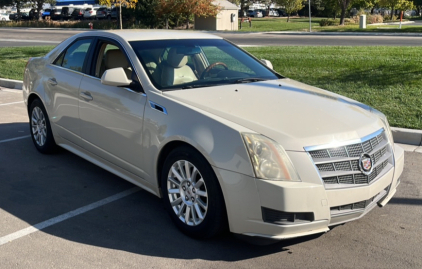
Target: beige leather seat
115, 59
175, 71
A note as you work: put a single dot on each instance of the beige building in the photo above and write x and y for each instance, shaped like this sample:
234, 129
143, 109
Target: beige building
226, 19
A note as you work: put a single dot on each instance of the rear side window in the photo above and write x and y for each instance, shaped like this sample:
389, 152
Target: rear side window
74, 56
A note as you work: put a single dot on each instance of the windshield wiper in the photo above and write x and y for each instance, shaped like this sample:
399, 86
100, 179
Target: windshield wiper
247, 80
199, 86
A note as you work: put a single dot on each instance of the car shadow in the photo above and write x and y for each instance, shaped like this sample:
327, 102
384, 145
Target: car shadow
38, 187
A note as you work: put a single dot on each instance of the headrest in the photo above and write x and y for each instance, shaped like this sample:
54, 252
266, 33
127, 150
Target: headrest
115, 58
176, 60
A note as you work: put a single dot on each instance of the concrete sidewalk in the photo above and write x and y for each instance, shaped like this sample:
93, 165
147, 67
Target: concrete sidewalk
409, 138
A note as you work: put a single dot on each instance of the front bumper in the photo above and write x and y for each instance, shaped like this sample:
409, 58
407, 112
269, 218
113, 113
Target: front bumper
246, 198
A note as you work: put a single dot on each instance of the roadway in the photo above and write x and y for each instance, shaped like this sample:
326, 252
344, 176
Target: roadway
38, 37
60, 211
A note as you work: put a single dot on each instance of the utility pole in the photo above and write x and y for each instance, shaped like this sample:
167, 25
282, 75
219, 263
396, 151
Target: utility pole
310, 26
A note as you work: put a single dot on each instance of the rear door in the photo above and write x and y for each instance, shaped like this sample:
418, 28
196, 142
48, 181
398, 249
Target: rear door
64, 76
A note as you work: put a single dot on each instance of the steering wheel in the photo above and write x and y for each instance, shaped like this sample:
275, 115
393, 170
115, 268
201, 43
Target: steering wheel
211, 66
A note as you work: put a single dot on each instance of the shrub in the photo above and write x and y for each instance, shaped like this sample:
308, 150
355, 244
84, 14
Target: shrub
329, 22
351, 21
370, 19
388, 18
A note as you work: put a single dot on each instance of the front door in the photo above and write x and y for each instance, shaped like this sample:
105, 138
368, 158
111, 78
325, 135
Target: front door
112, 117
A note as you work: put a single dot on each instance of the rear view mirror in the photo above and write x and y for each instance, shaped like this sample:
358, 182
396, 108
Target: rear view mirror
188, 50
115, 77
267, 63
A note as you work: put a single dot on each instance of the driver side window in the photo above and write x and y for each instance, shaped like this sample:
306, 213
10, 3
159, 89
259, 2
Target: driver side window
110, 56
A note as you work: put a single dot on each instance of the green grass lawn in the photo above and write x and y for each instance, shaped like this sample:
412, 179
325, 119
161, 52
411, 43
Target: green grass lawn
14, 59
387, 78
302, 25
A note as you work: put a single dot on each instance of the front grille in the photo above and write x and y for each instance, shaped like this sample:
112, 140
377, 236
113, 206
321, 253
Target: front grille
340, 165
359, 205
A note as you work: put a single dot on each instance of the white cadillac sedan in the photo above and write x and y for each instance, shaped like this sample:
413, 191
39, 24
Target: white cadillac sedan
221, 137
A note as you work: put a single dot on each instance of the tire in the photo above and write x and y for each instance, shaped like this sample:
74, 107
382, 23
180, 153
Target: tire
39, 126
201, 193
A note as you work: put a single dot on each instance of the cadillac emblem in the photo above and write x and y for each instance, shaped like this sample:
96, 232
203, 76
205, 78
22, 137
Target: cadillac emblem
365, 164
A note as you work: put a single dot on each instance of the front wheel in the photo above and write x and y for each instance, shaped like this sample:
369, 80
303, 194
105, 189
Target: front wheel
40, 128
192, 194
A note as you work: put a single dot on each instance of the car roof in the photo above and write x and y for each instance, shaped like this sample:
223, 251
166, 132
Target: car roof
141, 35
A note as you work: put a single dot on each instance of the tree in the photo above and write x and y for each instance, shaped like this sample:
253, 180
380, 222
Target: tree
290, 6
418, 5
119, 3
187, 8
396, 5
344, 6
17, 3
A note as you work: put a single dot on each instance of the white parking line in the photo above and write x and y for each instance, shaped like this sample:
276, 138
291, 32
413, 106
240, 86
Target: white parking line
29, 40
11, 103
13, 139
42, 225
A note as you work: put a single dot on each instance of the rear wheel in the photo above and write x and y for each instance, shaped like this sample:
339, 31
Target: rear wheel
192, 194
40, 128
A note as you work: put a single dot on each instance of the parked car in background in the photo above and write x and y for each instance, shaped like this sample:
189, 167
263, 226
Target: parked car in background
77, 13
103, 13
114, 13
15, 17
90, 13
33, 14
67, 13
263, 11
23, 16
281, 12
56, 14
273, 13
4, 17
226, 142
46, 13
255, 13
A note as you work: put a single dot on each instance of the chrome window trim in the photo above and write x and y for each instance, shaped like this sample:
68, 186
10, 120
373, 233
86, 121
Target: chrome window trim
345, 143
67, 69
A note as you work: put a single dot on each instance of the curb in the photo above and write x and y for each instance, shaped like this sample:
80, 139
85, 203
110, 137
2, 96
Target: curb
400, 135
407, 136
11, 84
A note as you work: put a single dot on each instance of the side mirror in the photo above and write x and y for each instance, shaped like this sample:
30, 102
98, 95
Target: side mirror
267, 63
115, 77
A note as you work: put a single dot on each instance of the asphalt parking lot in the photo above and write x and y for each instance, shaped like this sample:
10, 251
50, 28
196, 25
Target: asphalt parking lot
60, 211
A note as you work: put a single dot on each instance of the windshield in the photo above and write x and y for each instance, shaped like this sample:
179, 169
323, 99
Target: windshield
195, 63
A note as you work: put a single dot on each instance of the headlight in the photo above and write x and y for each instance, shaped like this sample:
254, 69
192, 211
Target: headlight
386, 124
269, 159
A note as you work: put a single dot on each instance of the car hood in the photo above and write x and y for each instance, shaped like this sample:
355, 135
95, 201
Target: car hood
294, 114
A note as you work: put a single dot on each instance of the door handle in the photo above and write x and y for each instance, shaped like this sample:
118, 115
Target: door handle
52, 81
86, 96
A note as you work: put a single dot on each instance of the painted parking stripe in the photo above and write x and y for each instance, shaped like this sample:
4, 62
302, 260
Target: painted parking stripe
13, 139
42, 225
29, 40
11, 103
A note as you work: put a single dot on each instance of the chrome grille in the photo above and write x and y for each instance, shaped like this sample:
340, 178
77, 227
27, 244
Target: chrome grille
340, 165
359, 205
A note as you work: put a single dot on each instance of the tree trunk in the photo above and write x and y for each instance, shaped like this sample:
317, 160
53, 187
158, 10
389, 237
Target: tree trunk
288, 17
372, 10
343, 15
392, 13
120, 15
167, 22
